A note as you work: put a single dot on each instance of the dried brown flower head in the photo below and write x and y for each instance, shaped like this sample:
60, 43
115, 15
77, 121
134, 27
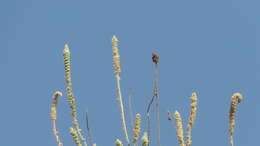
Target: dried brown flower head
155, 58
169, 115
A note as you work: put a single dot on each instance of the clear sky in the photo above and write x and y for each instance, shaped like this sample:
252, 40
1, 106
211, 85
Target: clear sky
206, 46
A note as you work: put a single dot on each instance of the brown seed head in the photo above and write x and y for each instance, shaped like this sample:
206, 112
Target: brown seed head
169, 115
155, 58
55, 97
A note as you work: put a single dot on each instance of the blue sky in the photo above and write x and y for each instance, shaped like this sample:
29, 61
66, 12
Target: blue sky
205, 46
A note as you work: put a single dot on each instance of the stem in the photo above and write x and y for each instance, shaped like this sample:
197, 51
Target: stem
157, 104
55, 131
130, 110
121, 108
88, 130
149, 120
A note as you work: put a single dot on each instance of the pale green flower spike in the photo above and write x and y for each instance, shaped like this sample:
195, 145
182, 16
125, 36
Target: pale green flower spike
66, 54
145, 140
75, 137
72, 101
236, 98
119, 142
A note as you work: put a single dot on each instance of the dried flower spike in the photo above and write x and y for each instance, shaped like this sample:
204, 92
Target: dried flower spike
54, 116
178, 121
116, 56
193, 113
117, 76
55, 97
137, 128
